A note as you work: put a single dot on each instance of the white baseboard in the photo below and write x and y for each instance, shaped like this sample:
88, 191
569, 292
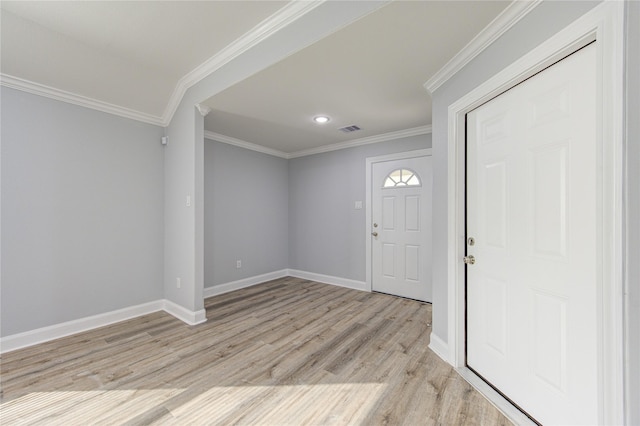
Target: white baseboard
438, 346
243, 283
328, 279
184, 314
259, 279
56, 331
497, 400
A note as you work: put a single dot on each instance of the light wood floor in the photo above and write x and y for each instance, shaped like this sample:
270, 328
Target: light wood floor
288, 351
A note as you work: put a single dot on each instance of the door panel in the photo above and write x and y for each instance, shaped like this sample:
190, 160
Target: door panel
412, 213
401, 251
388, 213
495, 205
531, 208
389, 260
549, 181
412, 262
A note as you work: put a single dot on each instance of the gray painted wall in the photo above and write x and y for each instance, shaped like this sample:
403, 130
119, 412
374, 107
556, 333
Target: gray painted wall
82, 212
184, 162
246, 213
633, 212
326, 233
181, 225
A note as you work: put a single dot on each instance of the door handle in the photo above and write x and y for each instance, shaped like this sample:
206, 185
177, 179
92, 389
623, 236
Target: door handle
469, 260
375, 234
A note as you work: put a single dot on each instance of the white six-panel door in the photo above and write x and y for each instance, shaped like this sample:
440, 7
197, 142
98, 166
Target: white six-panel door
531, 210
401, 229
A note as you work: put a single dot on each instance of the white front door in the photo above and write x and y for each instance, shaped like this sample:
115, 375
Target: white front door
532, 305
401, 227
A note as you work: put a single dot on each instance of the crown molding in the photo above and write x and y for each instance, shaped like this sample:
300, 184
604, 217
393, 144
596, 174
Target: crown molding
513, 13
283, 17
415, 131
244, 144
75, 99
203, 109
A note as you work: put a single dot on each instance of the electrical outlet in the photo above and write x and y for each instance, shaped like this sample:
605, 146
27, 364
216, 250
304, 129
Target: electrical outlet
238, 264
178, 283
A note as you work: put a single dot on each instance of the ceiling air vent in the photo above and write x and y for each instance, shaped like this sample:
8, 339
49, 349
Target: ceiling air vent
349, 129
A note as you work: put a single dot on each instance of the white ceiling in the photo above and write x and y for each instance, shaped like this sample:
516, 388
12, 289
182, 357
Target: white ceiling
127, 53
133, 54
369, 74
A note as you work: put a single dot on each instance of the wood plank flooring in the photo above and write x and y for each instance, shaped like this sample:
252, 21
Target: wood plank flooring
286, 352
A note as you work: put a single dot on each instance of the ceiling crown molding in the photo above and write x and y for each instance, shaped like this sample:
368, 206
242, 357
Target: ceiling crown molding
75, 99
513, 13
244, 144
415, 131
203, 109
283, 17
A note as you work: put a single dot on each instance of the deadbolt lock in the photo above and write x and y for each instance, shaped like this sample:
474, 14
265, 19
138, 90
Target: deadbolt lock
469, 260
375, 225
471, 241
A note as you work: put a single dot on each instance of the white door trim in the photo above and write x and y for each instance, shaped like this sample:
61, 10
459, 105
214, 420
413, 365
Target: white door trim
604, 23
368, 196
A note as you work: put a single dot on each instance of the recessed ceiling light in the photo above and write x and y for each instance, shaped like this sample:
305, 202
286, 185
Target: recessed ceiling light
321, 119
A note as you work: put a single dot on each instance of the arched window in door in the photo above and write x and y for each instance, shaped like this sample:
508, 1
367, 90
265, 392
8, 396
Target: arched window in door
401, 178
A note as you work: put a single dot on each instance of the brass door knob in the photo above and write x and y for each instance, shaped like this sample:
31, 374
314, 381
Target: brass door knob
469, 260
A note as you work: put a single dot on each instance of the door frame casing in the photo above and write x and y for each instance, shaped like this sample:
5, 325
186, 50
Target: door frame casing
604, 23
370, 161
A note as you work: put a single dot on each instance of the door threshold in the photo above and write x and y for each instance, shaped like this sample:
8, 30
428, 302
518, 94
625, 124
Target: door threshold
402, 297
501, 403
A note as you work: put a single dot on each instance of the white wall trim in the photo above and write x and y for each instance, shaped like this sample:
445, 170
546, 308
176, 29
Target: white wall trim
385, 137
439, 347
369, 162
259, 279
244, 144
75, 99
56, 331
501, 24
604, 23
203, 109
83, 101
328, 279
244, 283
505, 407
184, 314
283, 17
